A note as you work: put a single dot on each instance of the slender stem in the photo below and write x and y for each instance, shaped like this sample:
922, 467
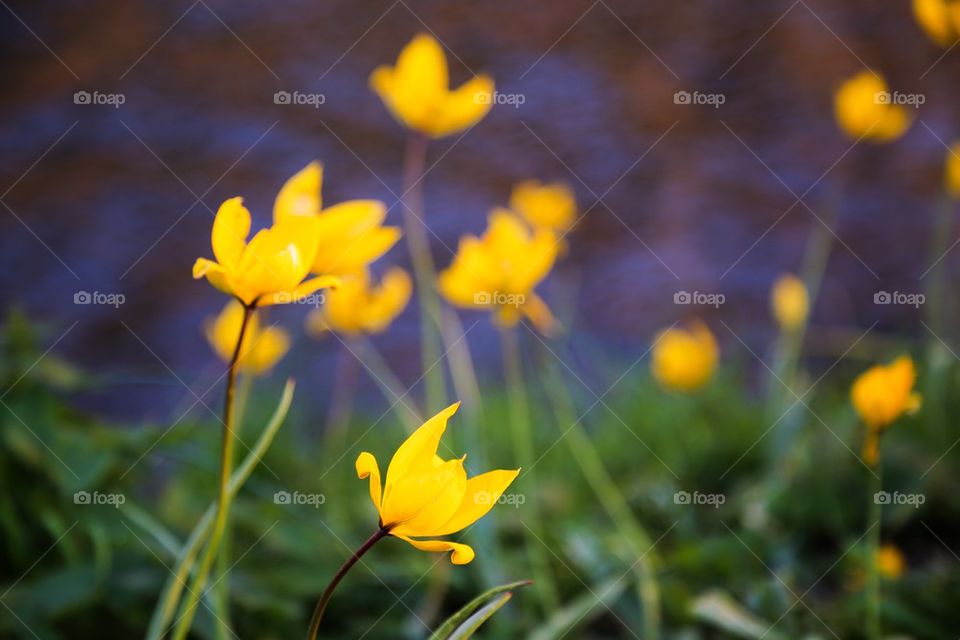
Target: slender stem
380, 533
389, 383
424, 271
223, 498
524, 451
611, 497
875, 510
341, 405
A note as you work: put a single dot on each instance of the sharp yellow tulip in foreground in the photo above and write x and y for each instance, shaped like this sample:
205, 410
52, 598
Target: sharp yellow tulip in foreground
864, 109
351, 234
417, 91
361, 307
499, 271
262, 347
272, 267
684, 359
881, 394
426, 496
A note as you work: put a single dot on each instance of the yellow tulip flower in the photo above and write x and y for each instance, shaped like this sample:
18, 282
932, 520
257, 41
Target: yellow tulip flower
499, 271
863, 108
359, 307
426, 496
790, 302
940, 20
262, 347
545, 206
890, 562
271, 268
952, 171
417, 91
684, 359
351, 233
880, 395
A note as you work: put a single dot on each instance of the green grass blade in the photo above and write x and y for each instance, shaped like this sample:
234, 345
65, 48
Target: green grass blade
460, 618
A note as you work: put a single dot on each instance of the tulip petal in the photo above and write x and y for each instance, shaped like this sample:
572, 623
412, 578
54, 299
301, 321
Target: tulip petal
537, 311
462, 553
367, 468
464, 107
419, 503
418, 449
483, 491
300, 195
214, 273
231, 226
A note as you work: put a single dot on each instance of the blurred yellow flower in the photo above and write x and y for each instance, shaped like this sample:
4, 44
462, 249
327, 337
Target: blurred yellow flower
864, 107
685, 359
351, 233
890, 562
358, 306
880, 395
940, 20
545, 206
952, 171
271, 268
790, 302
499, 271
261, 349
427, 496
417, 91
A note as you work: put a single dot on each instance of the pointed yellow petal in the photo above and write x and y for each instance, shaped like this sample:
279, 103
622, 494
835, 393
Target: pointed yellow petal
482, 492
418, 450
537, 311
264, 349
367, 467
420, 502
300, 195
462, 554
214, 273
231, 226
464, 107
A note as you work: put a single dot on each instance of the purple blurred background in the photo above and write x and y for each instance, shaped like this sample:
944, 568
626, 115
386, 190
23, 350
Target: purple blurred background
680, 197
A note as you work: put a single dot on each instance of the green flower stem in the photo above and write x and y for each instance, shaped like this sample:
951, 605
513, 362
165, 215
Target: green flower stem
186, 559
424, 271
223, 499
875, 509
611, 498
405, 407
380, 533
524, 450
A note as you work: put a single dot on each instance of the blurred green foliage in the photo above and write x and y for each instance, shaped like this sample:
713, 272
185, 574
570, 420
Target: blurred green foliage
793, 513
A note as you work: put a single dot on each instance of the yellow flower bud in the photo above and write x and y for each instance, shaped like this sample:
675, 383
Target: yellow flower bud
890, 562
863, 107
939, 19
684, 359
790, 302
545, 206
